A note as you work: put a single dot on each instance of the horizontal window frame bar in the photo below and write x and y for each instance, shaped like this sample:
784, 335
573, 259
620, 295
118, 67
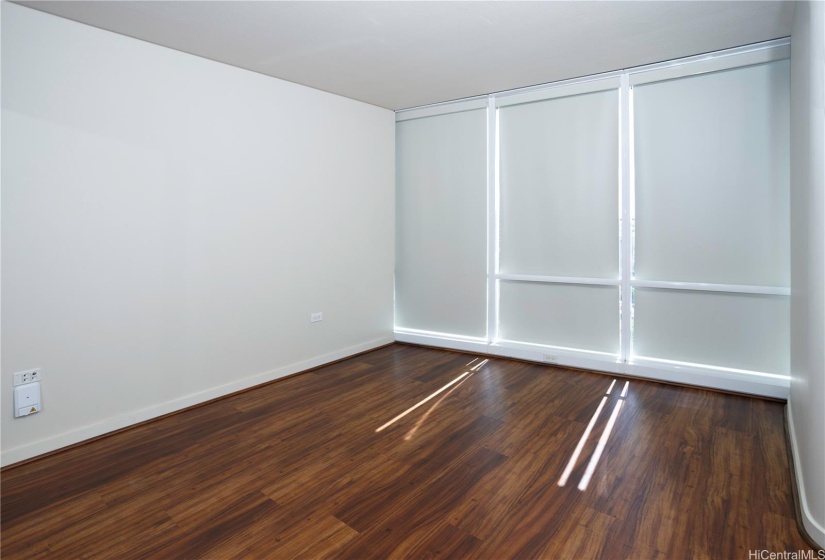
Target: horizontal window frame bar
445, 108
740, 57
581, 281
679, 365
559, 91
440, 335
708, 287
560, 350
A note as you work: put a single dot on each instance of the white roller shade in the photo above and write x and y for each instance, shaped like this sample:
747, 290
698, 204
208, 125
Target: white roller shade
693, 154
712, 177
559, 174
566, 315
441, 217
742, 331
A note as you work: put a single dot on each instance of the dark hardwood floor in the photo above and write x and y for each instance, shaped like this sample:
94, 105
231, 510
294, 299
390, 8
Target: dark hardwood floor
296, 469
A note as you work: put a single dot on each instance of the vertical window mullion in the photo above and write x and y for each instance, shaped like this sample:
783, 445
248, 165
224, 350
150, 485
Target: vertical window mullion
625, 219
492, 220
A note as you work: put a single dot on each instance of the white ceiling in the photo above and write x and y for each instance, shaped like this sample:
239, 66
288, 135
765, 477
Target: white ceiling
404, 54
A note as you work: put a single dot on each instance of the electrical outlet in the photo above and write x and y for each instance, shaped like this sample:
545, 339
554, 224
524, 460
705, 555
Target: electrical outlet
315, 317
551, 358
28, 376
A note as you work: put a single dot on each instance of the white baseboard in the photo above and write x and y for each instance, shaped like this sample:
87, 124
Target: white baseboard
20, 453
711, 378
814, 529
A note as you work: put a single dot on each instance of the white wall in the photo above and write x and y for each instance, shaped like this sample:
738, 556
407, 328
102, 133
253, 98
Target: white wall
807, 395
169, 223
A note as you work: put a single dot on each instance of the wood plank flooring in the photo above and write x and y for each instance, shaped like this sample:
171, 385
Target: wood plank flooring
296, 469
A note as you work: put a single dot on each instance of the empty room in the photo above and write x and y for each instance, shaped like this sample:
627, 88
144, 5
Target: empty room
366, 280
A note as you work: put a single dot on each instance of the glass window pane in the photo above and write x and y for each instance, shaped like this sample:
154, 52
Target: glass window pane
742, 331
567, 315
559, 173
712, 177
441, 223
